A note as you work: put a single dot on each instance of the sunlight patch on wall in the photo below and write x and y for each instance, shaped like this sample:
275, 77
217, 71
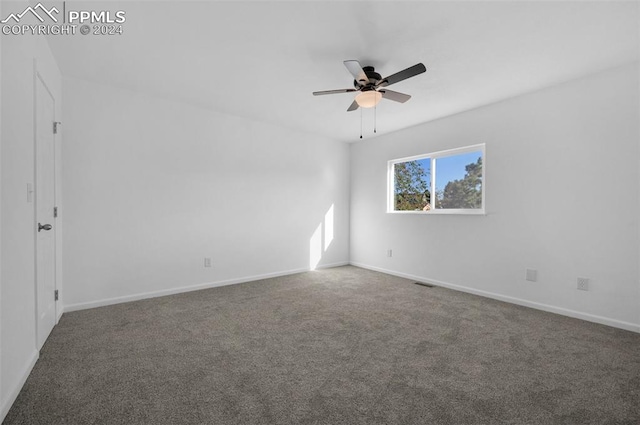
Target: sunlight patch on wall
321, 239
328, 228
315, 248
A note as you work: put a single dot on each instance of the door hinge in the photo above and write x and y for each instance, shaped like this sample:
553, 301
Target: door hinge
55, 295
55, 212
55, 126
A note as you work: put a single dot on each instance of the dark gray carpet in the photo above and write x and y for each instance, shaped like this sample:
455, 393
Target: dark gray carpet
337, 346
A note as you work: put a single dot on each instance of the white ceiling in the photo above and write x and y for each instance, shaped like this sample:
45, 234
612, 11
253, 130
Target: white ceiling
262, 60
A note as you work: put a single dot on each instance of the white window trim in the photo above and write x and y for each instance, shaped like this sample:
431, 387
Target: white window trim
433, 156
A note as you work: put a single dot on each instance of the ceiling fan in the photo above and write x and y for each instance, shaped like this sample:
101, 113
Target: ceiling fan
372, 86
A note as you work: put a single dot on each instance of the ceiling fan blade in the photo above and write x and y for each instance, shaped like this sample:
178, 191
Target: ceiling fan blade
394, 95
402, 75
356, 70
353, 106
318, 93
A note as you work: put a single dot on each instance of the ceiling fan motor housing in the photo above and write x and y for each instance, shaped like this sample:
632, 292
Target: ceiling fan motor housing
373, 77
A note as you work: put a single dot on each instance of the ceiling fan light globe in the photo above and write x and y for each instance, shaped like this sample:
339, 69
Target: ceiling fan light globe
368, 99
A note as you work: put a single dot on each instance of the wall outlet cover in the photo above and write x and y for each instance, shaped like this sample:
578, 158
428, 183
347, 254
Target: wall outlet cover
531, 275
583, 283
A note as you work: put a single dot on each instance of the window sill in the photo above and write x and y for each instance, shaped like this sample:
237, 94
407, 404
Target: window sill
441, 212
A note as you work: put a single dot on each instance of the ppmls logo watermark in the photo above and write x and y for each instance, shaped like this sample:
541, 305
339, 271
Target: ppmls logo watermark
41, 20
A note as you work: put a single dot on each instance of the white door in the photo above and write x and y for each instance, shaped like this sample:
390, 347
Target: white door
45, 203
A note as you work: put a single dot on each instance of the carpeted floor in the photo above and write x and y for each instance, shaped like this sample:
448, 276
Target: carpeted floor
336, 346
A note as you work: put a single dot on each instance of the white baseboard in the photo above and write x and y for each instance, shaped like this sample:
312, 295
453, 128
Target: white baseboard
538, 306
172, 291
13, 394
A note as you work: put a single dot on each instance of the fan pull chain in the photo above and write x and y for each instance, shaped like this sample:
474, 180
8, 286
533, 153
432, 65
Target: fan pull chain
375, 110
361, 123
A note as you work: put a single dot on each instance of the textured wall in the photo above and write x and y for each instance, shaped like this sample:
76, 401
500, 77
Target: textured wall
152, 187
561, 197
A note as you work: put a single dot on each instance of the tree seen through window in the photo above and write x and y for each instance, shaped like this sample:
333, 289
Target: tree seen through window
457, 184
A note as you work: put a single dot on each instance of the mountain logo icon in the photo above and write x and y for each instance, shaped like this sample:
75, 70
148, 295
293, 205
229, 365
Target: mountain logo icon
34, 11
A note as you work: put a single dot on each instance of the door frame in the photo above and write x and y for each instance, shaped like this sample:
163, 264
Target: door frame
37, 75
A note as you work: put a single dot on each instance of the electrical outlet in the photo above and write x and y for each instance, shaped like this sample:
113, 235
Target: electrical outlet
389, 253
583, 284
207, 261
531, 275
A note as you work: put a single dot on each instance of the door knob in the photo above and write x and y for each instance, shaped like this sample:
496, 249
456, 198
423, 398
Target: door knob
44, 227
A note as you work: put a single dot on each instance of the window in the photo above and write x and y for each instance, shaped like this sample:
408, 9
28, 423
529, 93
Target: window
446, 182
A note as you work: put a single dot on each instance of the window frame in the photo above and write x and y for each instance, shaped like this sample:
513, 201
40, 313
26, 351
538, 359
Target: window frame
480, 147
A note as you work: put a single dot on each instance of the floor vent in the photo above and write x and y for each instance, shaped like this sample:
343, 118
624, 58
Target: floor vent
428, 285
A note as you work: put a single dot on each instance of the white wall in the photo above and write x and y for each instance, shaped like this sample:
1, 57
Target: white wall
17, 309
153, 186
562, 197
2, 414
